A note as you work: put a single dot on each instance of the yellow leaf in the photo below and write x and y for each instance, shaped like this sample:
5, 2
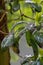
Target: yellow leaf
41, 51
38, 1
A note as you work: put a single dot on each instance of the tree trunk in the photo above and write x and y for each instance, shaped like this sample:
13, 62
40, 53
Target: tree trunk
4, 56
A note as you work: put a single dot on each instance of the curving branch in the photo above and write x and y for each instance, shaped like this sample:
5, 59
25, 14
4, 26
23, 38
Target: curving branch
3, 32
2, 17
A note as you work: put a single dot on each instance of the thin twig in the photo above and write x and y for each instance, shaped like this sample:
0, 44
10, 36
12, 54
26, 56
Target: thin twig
3, 32
2, 17
28, 17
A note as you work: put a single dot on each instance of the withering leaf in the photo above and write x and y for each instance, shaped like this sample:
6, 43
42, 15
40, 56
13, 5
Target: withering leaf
15, 46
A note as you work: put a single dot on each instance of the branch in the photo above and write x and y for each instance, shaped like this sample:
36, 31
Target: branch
2, 17
28, 17
3, 32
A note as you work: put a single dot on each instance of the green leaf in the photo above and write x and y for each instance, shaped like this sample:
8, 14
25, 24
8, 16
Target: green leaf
41, 52
16, 8
35, 48
30, 40
7, 41
28, 37
41, 60
16, 5
25, 9
7, 6
39, 38
42, 2
38, 17
36, 7
38, 1
18, 29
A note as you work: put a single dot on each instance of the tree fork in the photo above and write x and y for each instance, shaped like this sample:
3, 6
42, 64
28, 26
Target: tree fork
4, 56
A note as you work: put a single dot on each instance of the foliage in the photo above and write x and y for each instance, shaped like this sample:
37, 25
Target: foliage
25, 17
